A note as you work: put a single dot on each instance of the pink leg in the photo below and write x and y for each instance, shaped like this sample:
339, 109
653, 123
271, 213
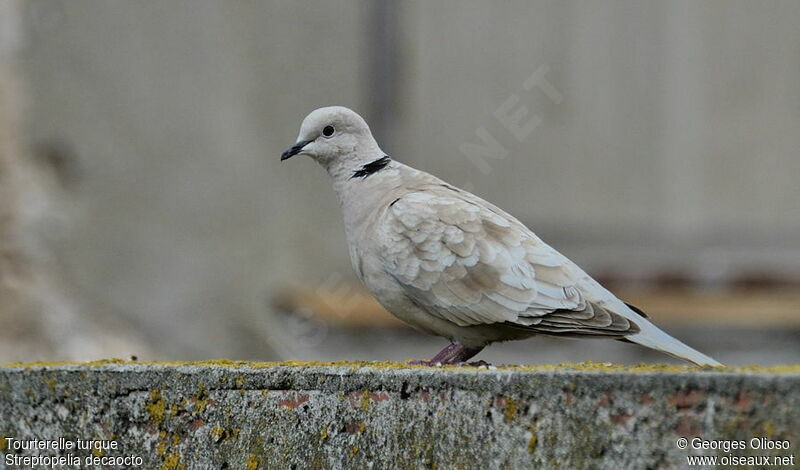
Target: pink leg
454, 353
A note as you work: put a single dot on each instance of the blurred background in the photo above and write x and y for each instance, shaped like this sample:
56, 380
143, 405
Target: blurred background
144, 211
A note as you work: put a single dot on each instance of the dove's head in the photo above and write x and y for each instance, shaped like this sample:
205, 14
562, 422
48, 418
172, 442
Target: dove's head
336, 137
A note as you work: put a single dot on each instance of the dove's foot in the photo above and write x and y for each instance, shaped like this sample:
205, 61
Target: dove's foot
453, 354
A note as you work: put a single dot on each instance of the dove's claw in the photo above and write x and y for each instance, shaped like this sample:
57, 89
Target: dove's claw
453, 355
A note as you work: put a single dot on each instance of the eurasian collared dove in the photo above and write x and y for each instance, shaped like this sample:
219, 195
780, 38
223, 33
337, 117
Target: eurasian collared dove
453, 265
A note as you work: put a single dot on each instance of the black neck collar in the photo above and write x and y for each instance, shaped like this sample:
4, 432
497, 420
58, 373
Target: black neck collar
372, 167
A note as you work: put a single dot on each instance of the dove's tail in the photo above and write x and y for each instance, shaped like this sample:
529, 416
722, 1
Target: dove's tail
652, 337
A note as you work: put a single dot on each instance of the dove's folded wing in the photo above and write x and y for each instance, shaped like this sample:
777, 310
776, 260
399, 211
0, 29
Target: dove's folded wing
471, 264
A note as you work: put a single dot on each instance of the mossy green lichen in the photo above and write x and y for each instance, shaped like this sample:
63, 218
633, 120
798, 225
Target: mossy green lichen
533, 440
161, 448
219, 434
252, 462
172, 462
201, 399
509, 409
365, 401
239, 381
768, 428
156, 407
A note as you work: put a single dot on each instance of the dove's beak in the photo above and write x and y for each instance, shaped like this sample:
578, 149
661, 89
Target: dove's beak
294, 149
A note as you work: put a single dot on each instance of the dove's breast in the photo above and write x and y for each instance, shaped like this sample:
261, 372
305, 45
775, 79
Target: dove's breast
385, 288
364, 243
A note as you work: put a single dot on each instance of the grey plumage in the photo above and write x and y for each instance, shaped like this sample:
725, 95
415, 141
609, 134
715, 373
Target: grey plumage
451, 264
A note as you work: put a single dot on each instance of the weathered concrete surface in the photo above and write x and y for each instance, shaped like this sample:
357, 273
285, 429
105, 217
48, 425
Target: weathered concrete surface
247, 416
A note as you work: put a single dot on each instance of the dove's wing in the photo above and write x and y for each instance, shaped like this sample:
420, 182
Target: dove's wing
468, 262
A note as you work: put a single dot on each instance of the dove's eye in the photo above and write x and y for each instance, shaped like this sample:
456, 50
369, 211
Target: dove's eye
328, 131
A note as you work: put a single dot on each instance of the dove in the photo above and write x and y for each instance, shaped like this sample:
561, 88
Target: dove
452, 264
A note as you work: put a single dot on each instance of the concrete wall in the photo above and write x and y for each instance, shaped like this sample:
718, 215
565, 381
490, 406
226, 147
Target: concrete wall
387, 416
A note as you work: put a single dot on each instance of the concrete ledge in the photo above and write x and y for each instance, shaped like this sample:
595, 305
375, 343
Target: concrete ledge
247, 416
